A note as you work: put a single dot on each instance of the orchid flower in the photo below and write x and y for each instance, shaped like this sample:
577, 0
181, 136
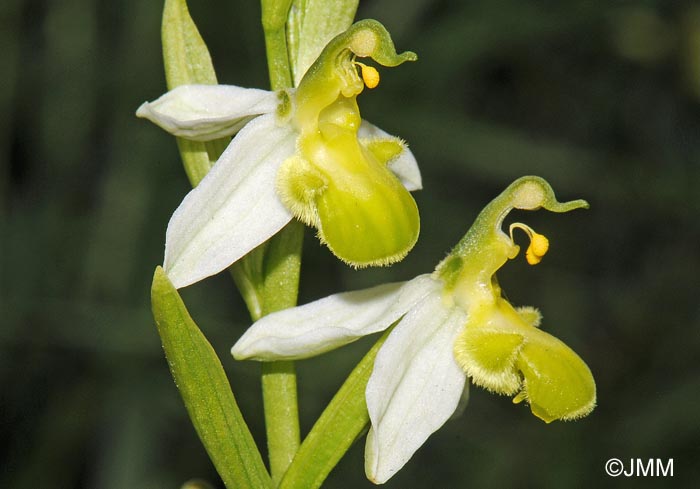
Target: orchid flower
452, 325
303, 153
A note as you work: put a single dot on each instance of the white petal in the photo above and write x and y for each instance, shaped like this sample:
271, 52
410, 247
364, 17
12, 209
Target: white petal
234, 208
206, 112
405, 166
328, 323
415, 386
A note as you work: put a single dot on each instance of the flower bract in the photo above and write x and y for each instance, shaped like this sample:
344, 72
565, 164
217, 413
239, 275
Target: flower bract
301, 153
453, 324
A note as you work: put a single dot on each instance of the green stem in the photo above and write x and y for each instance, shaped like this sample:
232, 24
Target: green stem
282, 264
279, 385
274, 21
341, 423
281, 275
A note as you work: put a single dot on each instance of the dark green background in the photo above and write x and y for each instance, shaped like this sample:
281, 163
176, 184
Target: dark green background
600, 98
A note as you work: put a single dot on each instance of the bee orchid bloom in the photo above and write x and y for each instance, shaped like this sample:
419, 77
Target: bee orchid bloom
303, 153
452, 325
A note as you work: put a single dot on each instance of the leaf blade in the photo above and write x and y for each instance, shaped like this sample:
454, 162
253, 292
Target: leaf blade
187, 61
205, 390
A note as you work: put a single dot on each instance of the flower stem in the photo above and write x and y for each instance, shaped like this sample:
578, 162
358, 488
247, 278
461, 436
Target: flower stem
341, 423
282, 263
274, 21
279, 385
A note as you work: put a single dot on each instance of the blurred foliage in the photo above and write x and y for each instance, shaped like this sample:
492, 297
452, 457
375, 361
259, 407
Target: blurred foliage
600, 98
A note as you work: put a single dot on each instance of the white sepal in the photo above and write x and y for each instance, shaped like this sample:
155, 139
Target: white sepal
331, 322
234, 208
415, 386
206, 112
404, 166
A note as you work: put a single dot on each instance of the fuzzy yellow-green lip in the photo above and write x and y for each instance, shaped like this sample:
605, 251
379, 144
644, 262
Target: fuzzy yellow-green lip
337, 182
500, 351
556, 382
362, 212
368, 228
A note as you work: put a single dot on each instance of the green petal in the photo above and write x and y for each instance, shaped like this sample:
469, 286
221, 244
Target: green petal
384, 150
557, 384
403, 164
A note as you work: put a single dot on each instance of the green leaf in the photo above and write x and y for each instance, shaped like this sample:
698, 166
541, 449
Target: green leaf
312, 23
187, 61
341, 423
206, 391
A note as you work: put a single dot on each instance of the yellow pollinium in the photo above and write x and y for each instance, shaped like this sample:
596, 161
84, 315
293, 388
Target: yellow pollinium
370, 75
539, 244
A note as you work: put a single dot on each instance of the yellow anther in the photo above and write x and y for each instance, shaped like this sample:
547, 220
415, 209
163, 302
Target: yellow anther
539, 244
370, 75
